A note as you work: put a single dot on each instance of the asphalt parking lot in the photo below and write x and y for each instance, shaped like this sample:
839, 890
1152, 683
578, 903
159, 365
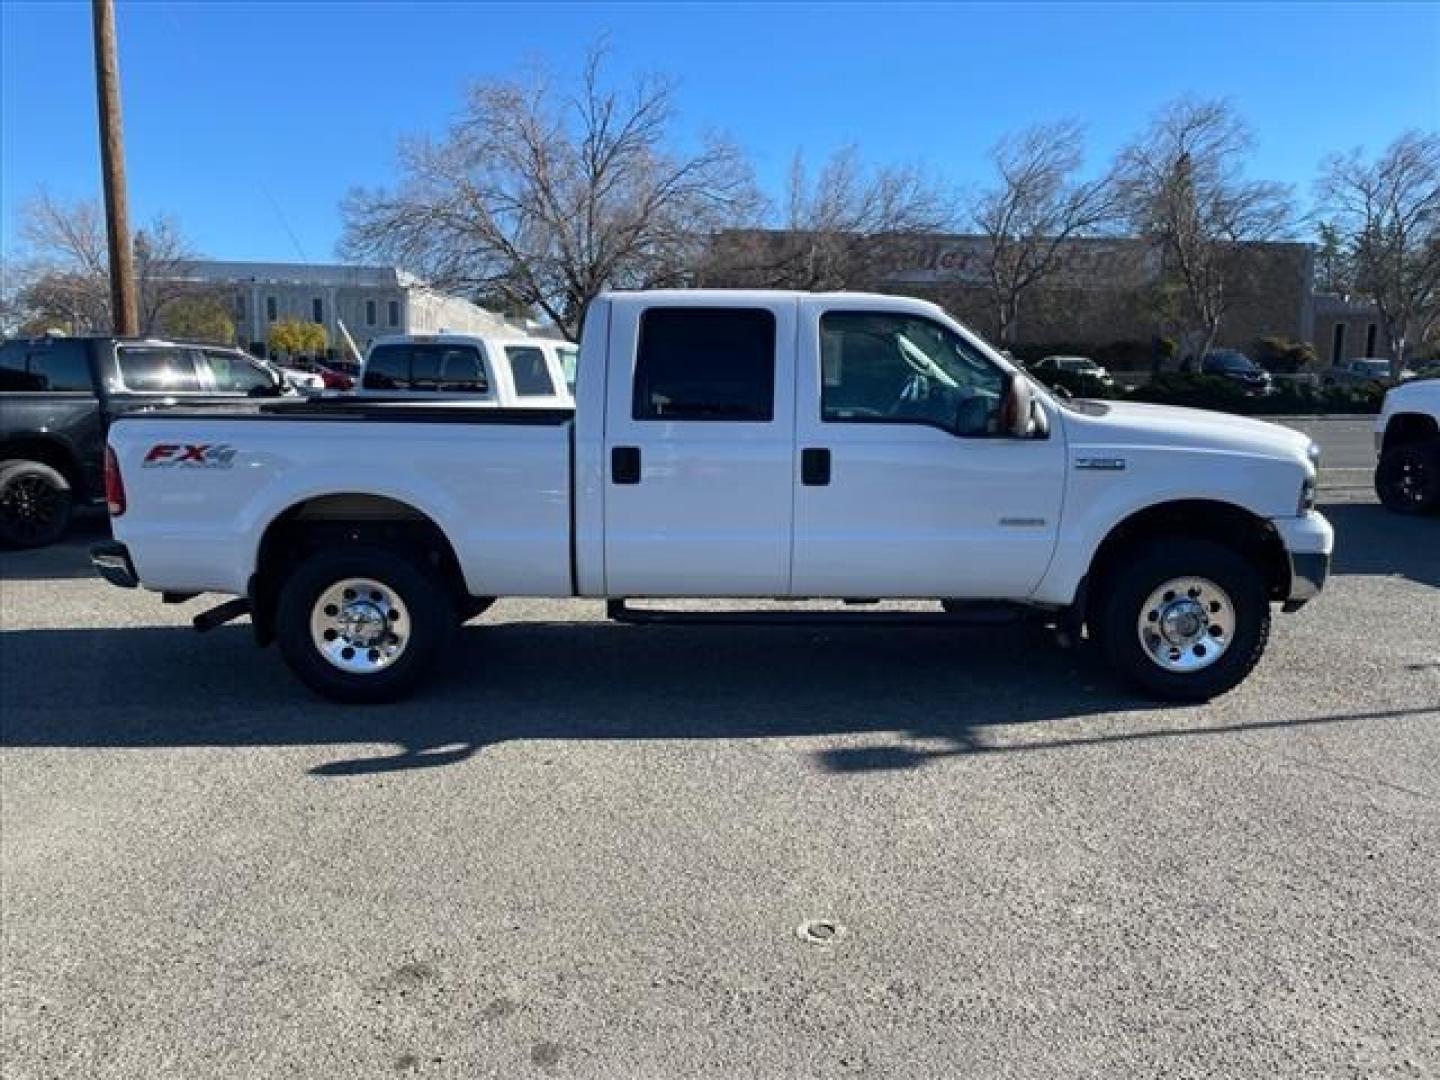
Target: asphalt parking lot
587, 849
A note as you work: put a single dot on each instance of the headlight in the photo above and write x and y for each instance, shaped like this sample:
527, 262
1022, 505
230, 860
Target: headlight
1313, 453
1307, 495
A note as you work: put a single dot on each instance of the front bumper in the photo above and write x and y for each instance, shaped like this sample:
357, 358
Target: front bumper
112, 562
1309, 539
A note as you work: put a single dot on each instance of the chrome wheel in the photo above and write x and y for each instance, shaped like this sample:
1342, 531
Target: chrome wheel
360, 625
1186, 624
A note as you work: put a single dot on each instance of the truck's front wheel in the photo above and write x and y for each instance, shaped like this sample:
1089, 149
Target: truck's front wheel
362, 624
1186, 622
1407, 479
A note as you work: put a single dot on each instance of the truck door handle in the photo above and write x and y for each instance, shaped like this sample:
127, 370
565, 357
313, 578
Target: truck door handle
625, 464
815, 466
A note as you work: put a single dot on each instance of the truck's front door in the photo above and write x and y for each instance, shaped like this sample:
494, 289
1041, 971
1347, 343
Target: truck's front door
699, 434
906, 486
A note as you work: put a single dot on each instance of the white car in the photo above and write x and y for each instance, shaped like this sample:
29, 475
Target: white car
730, 444
490, 371
303, 381
1407, 440
1081, 366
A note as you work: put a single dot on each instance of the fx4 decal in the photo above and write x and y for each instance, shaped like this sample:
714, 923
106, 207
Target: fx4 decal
189, 456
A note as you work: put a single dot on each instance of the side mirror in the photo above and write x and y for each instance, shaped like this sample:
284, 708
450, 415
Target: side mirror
1017, 407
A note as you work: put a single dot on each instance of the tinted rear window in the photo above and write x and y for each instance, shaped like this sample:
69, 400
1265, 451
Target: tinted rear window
705, 364
432, 366
527, 368
48, 366
158, 370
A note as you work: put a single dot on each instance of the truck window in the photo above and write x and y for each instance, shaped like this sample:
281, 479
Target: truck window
527, 368
705, 364
234, 374
457, 369
885, 368
569, 360
388, 368
158, 370
48, 366
429, 366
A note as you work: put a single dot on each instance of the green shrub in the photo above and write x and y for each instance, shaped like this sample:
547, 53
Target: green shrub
1212, 392
1193, 392
1125, 355
1078, 385
1282, 356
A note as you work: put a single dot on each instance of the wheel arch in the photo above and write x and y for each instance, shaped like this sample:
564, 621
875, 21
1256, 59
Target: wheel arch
1405, 428
341, 518
1221, 522
48, 450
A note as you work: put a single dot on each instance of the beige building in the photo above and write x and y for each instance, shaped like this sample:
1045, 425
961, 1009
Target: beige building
369, 300
1347, 329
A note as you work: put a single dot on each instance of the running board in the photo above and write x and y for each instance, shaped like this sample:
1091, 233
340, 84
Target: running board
219, 616
978, 615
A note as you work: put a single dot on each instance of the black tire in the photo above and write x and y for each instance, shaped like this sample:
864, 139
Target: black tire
430, 606
1407, 479
35, 504
1126, 589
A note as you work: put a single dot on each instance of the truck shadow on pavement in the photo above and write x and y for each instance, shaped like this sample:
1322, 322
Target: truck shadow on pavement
70, 558
936, 690
1371, 540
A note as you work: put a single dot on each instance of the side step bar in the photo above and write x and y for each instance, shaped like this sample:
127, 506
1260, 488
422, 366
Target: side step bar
219, 616
972, 615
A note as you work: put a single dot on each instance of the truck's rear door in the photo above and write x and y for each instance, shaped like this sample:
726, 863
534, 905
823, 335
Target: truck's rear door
699, 424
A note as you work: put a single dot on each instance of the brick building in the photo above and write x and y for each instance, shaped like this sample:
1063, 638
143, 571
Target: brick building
1105, 290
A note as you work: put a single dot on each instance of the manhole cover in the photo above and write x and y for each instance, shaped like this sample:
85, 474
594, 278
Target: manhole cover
820, 931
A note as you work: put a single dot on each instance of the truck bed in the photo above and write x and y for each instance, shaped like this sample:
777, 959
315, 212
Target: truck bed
203, 484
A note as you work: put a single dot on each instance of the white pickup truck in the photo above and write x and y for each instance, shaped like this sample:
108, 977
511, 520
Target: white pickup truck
516, 373
1407, 440
729, 444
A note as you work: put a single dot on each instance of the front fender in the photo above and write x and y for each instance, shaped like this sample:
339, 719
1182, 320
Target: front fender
1106, 486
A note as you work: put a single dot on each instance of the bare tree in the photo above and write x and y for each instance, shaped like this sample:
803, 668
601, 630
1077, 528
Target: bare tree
545, 197
1388, 213
840, 229
1034, 212
66, 270
1182, 184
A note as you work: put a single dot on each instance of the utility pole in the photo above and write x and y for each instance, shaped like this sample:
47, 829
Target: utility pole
123, 308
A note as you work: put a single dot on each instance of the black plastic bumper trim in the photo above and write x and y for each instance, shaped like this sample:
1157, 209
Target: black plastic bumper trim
112, 562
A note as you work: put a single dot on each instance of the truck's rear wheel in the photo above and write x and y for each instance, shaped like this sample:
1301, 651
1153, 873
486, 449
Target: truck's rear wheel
1187, 622
1407, 478
362, 624
35, 504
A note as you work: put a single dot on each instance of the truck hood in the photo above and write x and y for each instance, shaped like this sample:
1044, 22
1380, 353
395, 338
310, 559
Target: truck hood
1415, 394
1127, 423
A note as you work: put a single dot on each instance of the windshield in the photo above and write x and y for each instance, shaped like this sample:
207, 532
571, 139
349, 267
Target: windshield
1374, 367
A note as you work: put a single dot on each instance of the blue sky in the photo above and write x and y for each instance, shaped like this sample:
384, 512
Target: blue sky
249, 121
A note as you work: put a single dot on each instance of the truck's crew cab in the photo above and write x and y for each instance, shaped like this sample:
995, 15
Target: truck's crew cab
1407, 438
515, 373
730, 444
58, 396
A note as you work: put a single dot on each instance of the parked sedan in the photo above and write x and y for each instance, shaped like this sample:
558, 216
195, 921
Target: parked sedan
1238, 368
1081, 366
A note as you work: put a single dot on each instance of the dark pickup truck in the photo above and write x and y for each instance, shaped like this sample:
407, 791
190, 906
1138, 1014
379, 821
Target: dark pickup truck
58, 396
